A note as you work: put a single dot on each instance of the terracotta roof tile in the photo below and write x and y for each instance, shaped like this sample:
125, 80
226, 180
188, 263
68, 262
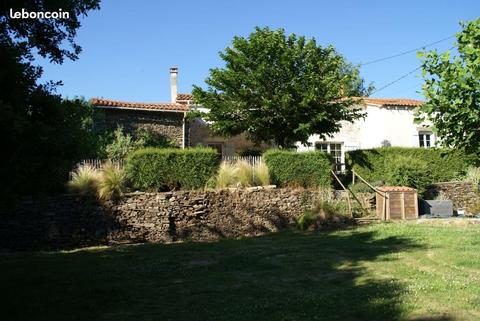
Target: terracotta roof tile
184, 96
396, 189
109, 103
393, 102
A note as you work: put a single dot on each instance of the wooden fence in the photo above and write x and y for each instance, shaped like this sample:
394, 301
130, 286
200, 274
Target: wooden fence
95, 163
252, 160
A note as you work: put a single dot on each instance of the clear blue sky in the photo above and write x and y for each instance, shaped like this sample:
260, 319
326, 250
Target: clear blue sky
128, 46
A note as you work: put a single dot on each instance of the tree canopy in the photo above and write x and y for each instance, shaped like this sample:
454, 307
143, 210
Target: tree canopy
452, 90
42, 134
280, 88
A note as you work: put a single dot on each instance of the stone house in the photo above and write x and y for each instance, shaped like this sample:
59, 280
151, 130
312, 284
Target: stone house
388, 122
168, 120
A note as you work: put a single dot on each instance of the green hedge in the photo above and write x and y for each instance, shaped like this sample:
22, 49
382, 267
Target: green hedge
377, 164
308, 169
168, 169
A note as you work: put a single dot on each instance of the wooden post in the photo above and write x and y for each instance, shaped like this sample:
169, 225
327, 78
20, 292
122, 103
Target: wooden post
387, 214
353, 177
415, 197
402, 205
384, 214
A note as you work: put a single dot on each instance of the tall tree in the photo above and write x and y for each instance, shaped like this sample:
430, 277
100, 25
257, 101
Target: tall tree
281, 89
41, 133
452, 90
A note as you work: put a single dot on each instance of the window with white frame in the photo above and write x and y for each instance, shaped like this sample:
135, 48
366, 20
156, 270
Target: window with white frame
335, 149
425, 139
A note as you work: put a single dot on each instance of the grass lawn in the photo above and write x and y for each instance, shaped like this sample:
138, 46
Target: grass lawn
379, 272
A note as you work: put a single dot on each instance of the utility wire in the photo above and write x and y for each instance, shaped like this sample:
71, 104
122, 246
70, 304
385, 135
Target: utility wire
406, 52
396, 80
402, 77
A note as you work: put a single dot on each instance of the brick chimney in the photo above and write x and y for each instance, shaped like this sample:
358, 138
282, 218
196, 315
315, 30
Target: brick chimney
173, 84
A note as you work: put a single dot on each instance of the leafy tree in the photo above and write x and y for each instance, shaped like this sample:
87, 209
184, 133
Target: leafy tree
452, 91
42, 135
279, 88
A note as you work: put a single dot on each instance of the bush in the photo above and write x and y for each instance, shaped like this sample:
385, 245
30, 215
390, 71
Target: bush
410, 172
151, 138
122, 145
325, 208
169, 169
112, 181
472, 175
290, 168
84, 180
377, 164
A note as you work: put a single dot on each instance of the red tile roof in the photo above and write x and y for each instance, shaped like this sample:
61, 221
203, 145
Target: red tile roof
184, 96
393, 102
396, 189
100, 102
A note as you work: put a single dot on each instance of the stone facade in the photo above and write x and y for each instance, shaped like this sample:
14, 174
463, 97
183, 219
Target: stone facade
166, 124
463, 195
68, 221
200, 134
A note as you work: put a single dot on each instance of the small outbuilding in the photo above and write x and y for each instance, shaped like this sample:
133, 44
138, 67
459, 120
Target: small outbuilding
397, 203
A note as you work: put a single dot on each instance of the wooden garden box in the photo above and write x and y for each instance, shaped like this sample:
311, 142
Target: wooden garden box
397, 203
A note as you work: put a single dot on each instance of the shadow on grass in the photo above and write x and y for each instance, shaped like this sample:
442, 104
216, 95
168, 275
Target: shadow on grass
282, 276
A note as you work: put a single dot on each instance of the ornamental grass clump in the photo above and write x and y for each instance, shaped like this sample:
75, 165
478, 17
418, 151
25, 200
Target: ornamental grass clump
226, 175
326, 208
261, 174
112, 181
472, 175
244, 173
84, 180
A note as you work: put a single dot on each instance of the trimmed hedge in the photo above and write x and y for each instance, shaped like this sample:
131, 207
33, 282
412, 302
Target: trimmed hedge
169, 168
290, 168
377, 164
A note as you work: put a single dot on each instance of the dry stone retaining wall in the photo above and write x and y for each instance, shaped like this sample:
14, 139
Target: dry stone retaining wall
71, 221
464, 195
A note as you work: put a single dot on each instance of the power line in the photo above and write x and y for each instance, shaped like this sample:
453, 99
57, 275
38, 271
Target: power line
402, 77
405, 52
396, 80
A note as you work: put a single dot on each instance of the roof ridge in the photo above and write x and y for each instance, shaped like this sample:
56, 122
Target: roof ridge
112, 103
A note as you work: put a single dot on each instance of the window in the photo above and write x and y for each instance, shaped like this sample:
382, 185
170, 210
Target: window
335, 149
425, 139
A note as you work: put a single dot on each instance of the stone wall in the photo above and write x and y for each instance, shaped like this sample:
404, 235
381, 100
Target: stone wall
71, 221
464, 195
166, 124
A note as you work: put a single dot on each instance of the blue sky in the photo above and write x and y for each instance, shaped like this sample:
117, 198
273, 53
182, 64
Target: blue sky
128, 46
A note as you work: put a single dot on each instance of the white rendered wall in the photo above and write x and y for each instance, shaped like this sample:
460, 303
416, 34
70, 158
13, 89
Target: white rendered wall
395, 124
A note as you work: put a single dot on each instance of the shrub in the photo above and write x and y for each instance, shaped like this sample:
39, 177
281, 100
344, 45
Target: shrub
122, 145
290, 168
261, 174
84, 180
226, 175
360, 187
168, 169
410, 172
472, 175
377, 164
326, 208
150, 138
112, 181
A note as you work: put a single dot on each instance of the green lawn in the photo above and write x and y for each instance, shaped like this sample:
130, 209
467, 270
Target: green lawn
377, 272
